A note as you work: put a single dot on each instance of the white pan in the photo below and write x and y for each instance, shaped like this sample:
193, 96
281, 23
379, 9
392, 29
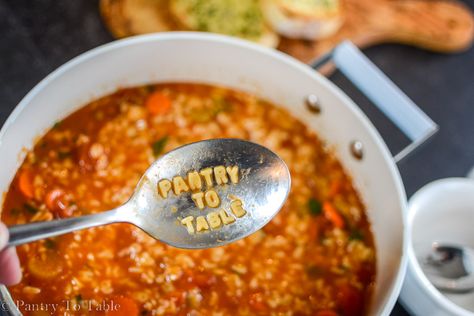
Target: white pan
205, 58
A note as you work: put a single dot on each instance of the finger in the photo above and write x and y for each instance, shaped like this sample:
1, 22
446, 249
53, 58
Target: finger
3, 235
10, 273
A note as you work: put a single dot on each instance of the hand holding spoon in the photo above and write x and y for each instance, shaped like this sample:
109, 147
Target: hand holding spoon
201, 195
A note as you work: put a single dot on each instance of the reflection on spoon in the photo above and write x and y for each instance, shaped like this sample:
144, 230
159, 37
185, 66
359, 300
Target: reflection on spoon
450, 267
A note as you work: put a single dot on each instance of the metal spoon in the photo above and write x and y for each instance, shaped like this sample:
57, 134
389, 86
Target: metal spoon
263, 186
451, 267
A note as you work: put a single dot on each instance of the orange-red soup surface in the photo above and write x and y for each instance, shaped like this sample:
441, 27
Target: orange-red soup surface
316, 257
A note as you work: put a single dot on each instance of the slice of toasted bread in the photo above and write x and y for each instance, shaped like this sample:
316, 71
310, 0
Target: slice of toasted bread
132, 17
305, 19
241, 18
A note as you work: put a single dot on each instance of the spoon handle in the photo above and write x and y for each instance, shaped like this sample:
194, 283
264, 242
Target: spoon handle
22, 234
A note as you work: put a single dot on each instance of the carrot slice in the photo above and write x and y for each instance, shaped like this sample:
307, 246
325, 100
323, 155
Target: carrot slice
158, 103
25, 183
333, 215
123, 306
335, 188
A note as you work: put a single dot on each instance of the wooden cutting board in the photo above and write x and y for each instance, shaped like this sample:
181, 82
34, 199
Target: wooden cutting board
437, 25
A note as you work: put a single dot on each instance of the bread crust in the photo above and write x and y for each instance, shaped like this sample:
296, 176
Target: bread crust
290, 21
132, 17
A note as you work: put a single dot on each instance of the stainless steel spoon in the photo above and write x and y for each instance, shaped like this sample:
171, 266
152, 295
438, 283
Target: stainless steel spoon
262, 188
450, 267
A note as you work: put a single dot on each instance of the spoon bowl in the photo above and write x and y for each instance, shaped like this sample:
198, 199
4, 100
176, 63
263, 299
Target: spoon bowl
263, 186
201, 195
451, 267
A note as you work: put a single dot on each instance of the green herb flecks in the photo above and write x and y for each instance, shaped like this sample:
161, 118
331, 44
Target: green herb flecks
313, 271
15, 211
356, 235
64, 154
57, 124
50, 244
30, 208
159, 145
241, 18
314, 207
78, 298
209, 113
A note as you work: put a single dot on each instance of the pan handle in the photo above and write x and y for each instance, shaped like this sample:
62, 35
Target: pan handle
389, 99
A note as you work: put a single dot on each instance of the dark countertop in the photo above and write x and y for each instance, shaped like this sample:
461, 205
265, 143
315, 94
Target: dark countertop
38, 36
